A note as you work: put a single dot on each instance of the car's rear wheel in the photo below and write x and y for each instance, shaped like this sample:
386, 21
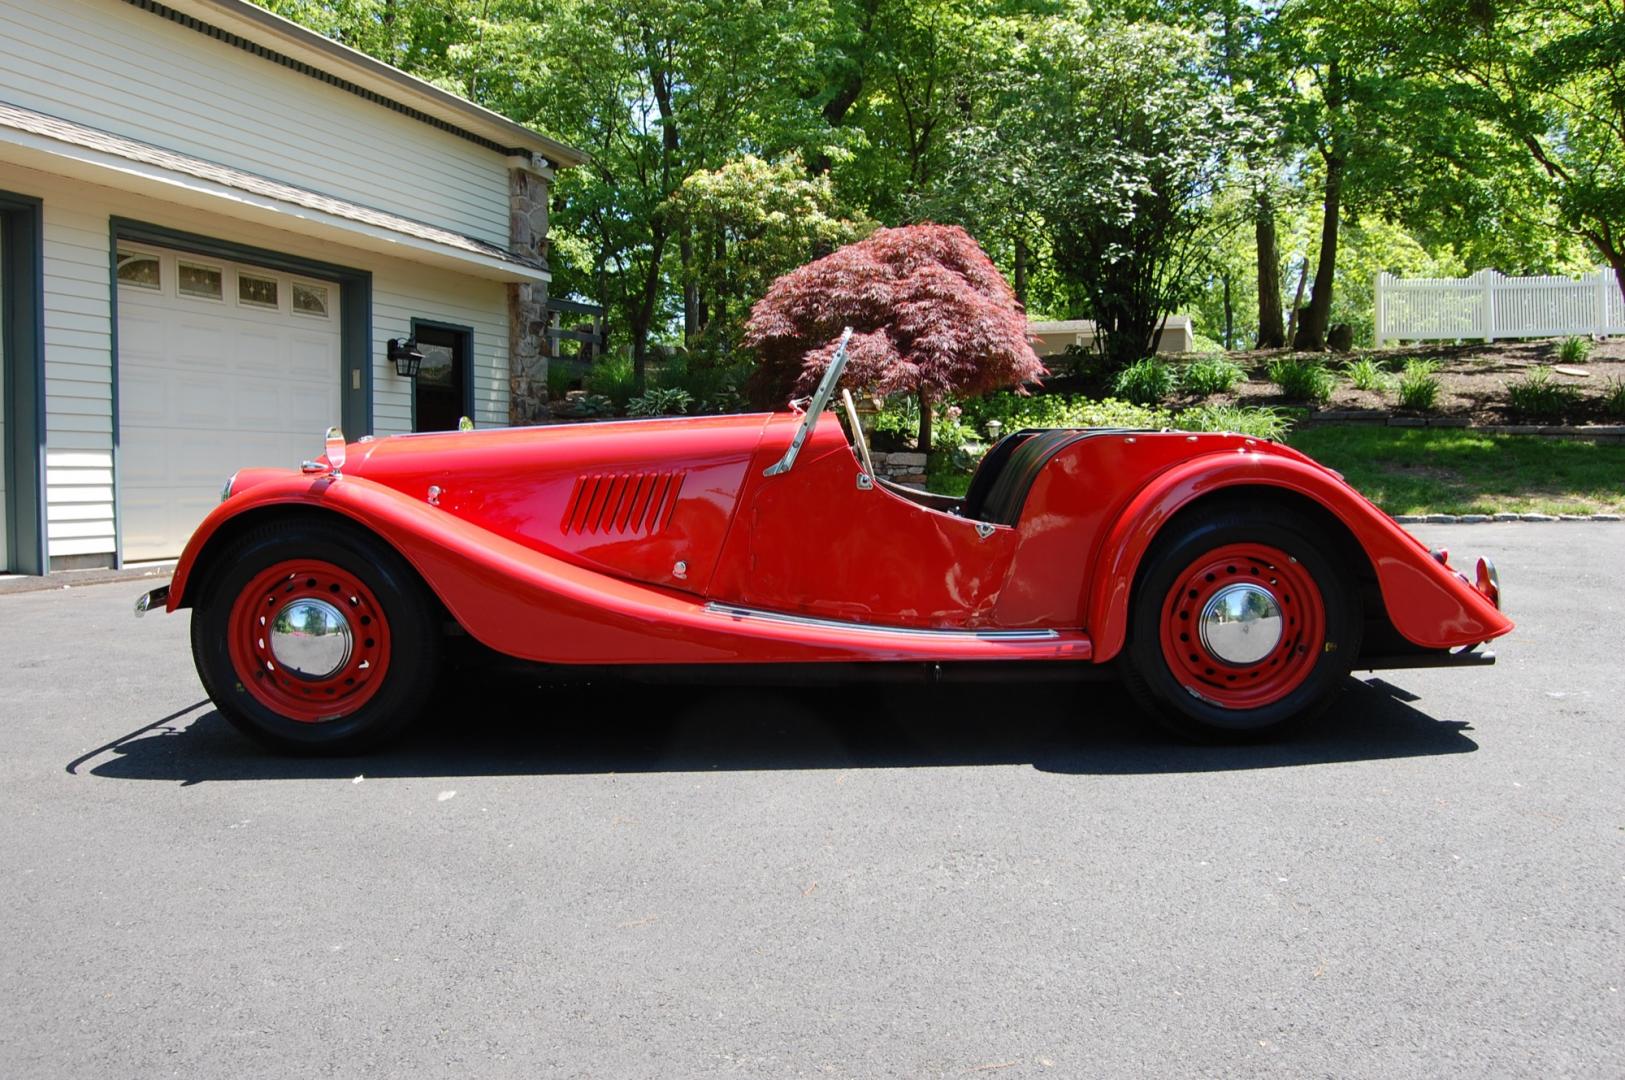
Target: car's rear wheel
1241, 625
315, 638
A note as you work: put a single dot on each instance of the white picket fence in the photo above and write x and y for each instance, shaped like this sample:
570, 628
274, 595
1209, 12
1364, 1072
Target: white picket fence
1490, 305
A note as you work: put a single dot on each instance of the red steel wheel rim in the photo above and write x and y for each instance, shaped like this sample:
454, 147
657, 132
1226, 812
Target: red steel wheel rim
1285, 667
304, 699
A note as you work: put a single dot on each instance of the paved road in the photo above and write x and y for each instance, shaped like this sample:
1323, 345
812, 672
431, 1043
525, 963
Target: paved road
607, 882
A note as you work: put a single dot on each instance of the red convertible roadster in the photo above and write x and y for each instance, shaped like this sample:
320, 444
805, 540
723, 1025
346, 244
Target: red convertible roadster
1231, 582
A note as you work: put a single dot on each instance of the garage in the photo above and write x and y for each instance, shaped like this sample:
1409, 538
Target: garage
221, 365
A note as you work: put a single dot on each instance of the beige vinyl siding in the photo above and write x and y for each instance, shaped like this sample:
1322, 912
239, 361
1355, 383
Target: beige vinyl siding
147, 78
403, 292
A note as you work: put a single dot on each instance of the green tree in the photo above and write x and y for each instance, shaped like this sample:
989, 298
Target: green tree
1119, 135
751, 221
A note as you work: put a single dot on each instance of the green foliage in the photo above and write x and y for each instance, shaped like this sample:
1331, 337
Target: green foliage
1120, 139
1214, 376
1365, 373
614, 378
1147, 381
660, 401
1539, 396
713, 384
1201, 343
1302, 380
586, 407
1419, 385
1259, 422
1574, 350
751, 221
560, 381
1613, 397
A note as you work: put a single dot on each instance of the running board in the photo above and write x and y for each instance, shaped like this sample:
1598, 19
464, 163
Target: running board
732, 611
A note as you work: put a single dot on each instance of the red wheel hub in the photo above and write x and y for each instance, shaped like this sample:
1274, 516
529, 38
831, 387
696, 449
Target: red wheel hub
309, 640
1243, 626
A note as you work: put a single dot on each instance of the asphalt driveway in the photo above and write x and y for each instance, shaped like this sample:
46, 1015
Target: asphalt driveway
1016, 880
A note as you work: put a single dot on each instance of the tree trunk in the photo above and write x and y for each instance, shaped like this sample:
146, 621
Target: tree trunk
1229, 316
1318, 316
923, 442
644, 315
1021, 270
691, 286
1270, 334
1297, 302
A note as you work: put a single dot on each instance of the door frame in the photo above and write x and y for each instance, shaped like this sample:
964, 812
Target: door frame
467, 334
355, 324
23, 455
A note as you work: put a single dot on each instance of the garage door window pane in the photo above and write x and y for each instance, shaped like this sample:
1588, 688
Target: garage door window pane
198, 280
310, 299
138, 268
258, 291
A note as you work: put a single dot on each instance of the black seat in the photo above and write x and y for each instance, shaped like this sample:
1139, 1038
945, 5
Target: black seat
999, 489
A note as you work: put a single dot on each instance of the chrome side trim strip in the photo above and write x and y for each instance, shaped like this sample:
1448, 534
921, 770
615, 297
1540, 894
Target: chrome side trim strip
732, 611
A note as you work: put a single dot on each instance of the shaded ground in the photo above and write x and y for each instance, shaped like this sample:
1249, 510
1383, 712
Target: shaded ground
1456, 471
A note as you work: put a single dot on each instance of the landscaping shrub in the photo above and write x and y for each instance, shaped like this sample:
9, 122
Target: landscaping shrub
1302, 380
1613, 398
1419, 384
660, 401
1539, 396
1574, 350
560, 381
1366, 374
589, 406
614, 378
1261, 423
1215, 376
1144, 382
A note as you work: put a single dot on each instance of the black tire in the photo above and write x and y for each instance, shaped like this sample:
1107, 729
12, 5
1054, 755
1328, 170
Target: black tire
1185, 709
410, 615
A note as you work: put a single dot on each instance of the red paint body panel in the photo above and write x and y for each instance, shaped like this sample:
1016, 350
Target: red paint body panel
812, 542
538, 607
563, 544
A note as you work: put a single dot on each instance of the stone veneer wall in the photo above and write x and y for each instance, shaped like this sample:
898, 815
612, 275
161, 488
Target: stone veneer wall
528, 189
901, 467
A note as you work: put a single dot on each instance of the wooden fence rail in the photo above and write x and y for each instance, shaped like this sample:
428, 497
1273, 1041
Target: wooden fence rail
1490, 305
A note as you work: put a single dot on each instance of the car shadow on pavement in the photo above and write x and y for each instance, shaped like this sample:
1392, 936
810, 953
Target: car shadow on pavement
613, 727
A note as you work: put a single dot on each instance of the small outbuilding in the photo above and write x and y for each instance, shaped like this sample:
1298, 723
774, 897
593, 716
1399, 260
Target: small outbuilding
213, 223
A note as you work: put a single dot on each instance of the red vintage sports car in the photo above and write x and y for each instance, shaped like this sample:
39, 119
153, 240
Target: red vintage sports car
1232, 582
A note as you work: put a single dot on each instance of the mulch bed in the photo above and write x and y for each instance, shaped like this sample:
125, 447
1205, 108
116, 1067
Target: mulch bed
1473, 379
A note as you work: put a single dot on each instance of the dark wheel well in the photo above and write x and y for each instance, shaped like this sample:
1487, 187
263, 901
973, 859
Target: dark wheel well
1380, 635
204, 568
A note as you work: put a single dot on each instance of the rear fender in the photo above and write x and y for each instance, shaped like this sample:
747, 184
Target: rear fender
1429, 605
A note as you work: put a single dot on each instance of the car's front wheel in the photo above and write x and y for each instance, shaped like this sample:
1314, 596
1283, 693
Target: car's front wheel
1241, 624
315, 638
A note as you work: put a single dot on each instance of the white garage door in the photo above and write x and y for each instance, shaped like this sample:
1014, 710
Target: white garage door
221, 366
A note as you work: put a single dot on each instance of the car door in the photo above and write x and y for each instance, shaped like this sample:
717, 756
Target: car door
824, 540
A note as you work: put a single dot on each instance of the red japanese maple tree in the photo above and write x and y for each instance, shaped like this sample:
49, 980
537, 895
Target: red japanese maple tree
930, 315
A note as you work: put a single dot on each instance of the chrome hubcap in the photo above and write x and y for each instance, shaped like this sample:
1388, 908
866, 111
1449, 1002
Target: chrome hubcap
310, 638
1241, 624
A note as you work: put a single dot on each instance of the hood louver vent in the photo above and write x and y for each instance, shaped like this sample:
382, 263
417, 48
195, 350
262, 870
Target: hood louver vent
628, 503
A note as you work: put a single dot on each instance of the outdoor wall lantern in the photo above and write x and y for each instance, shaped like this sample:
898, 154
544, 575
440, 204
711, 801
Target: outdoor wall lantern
406, 356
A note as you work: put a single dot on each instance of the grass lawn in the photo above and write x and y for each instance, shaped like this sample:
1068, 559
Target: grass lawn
1450, 471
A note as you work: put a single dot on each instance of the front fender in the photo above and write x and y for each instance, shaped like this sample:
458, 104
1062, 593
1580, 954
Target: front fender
1430, 606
